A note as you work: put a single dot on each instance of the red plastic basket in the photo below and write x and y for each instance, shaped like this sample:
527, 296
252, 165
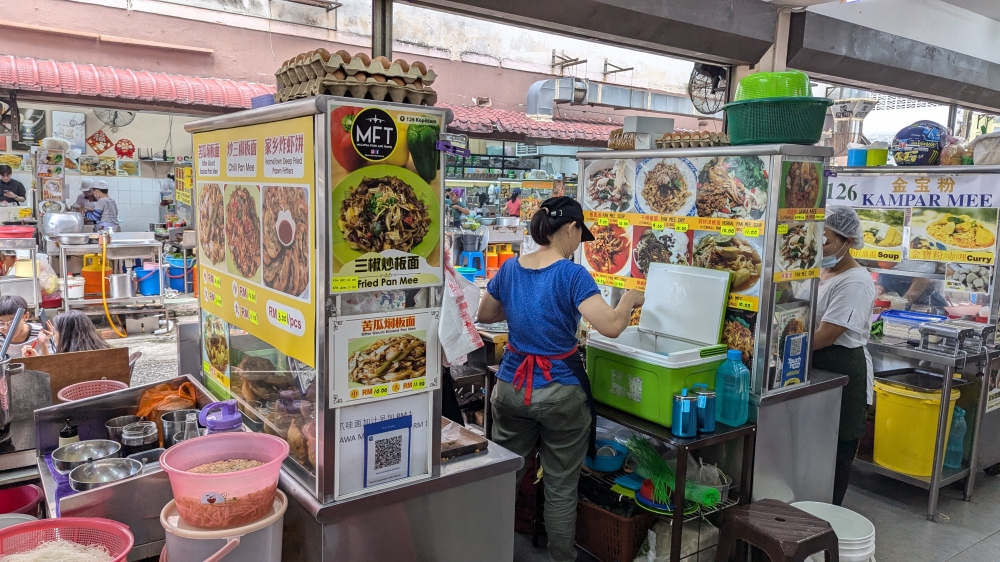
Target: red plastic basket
88, 531
86, 389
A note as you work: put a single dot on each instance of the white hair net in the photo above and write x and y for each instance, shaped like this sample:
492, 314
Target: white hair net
103, 186
845, 222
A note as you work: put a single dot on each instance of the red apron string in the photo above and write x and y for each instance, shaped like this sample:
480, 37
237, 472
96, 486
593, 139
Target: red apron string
524, 376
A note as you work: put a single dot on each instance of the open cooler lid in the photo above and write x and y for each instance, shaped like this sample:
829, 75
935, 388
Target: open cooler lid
685, 302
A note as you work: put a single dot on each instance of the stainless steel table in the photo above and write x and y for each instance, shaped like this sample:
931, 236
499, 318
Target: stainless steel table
117, 250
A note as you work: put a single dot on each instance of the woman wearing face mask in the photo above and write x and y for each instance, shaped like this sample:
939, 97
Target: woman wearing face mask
542, 390
844, 309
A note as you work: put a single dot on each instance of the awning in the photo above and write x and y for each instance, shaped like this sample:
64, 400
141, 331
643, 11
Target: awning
513, 125
59, 82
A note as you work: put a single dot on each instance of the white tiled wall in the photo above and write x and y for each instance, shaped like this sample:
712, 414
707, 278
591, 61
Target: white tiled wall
138, 201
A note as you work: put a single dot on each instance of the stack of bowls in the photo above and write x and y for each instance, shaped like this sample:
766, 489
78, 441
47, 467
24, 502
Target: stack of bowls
855, 533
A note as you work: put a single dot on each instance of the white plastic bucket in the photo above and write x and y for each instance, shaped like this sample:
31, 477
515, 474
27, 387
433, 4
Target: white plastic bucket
855, 533
75, 288
259, 541
11, 519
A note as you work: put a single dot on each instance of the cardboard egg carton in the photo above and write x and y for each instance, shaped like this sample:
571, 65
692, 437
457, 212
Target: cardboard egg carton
358, 76
689, 139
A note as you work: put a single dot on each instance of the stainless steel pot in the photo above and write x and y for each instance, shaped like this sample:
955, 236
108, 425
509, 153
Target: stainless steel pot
7, 369
68, 457
62, 223
103, 472
72, 238
120, 286
508, 221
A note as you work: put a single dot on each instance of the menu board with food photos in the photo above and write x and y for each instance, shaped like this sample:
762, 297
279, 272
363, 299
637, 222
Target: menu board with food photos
386, 202
711, 211
256, 231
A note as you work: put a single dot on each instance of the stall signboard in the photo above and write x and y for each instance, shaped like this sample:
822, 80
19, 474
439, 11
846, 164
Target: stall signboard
924, 217
381, 444
386, 205
256, 220
379, 356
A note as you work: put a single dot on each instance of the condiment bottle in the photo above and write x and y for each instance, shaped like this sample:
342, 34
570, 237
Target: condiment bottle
221, 417
705, 406
138, 437
68, 434
685, 415
190, 427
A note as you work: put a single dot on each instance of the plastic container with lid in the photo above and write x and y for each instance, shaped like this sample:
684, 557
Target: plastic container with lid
226, 499
732, 387
906, 325
685, 415
221, 417
675, 345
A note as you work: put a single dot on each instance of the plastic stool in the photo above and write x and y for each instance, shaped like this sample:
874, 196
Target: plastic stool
784, 533
469, 259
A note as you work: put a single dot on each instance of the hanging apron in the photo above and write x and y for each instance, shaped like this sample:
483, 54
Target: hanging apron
854, 398
524, 377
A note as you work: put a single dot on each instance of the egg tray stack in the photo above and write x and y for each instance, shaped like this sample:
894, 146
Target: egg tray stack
694, 139
359, 76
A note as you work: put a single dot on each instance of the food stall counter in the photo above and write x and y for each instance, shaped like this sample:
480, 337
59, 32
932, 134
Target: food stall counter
468, 509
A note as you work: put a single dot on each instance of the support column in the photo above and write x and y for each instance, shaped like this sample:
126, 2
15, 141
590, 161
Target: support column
382, 28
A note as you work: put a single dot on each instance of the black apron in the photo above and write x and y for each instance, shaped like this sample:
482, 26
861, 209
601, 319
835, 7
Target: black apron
854, 398
575, 364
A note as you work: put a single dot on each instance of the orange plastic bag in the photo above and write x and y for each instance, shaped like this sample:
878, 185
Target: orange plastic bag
165, 399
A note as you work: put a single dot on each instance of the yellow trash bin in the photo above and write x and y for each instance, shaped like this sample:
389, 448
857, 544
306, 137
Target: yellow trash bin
905, 427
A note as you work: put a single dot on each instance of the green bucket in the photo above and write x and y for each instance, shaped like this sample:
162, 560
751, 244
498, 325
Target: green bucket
777, 120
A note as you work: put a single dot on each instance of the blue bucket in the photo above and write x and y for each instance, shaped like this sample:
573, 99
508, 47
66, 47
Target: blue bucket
175, 273
150, 280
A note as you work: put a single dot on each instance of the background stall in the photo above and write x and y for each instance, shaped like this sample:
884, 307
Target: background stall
321, 278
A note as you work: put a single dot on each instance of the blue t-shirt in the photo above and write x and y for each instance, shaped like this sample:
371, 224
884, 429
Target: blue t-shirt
542, 308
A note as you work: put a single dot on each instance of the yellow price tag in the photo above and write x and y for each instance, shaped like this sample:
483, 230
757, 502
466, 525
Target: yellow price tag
380, 391
618, 283
603, 221
338, 284
681, 227
751, 231
727, 230
601, 280
253, 318
218, 300
206, 367
282, 317
622, 223
419, 384
819, 216
658, 225
782, 229
252, 295
800, 216
744, 305
217, 281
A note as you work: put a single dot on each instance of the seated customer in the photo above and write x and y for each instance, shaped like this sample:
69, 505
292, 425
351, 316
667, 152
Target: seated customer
27, 333
70, 331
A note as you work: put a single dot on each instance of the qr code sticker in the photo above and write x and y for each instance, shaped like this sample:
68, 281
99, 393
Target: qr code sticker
388, 452
796, 347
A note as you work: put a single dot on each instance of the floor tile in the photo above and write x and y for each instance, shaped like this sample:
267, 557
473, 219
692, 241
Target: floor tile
980, 552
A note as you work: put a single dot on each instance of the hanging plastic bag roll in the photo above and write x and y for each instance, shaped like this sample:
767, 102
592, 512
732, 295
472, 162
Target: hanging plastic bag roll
457, 329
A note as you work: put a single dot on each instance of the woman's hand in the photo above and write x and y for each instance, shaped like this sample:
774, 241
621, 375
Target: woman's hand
29, 352
611, 322
44, 337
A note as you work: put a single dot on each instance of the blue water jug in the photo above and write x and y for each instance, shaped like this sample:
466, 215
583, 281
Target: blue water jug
956, 440
732, 390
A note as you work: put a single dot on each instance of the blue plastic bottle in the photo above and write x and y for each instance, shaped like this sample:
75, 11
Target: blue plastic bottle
956, 440
732, 390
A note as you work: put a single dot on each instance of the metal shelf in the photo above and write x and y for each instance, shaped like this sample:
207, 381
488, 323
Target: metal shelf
948, 475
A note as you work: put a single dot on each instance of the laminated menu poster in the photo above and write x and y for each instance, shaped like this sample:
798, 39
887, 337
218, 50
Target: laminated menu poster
802, 191
255, 212
790, 320
215, 354
883, 231
386, 204
966, 235
798, 251
383, 355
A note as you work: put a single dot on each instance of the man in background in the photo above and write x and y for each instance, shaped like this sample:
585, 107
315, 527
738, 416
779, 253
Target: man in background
105, 211
11, 190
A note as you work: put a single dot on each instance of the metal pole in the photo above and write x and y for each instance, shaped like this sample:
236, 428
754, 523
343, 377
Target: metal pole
952, 117
939, 444
382, 28
991, 365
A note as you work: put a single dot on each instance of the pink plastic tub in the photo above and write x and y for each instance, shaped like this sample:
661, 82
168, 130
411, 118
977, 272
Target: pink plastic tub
213, 501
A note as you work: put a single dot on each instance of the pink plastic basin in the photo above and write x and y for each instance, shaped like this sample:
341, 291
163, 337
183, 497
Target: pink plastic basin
22, 499
213, 501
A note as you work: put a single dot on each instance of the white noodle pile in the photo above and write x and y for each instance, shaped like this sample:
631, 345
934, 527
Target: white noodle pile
61, 551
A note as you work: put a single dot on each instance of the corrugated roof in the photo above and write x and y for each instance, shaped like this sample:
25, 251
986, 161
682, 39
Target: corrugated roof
30, 74
487, 120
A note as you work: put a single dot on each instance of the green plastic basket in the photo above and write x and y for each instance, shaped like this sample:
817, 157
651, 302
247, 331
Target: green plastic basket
777, 120
788, 84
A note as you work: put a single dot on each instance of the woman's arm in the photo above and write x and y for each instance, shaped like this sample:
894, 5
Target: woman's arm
826, 335
611, 322
490, 310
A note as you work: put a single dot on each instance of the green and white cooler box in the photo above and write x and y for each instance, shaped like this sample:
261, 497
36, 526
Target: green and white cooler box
675, 345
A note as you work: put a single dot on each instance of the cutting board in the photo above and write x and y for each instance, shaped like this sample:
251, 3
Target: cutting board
456, 441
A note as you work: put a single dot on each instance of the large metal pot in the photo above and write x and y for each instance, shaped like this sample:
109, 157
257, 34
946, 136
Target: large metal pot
7, 369
121, 286
62, 223
508, 221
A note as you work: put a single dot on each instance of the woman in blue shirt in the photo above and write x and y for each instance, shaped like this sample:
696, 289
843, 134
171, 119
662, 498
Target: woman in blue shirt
542, 390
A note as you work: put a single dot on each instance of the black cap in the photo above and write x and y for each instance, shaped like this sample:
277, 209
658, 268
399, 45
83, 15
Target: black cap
562, 210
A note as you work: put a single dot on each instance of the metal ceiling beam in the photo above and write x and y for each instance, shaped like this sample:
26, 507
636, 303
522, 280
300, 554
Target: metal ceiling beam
846, 53
720, 31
